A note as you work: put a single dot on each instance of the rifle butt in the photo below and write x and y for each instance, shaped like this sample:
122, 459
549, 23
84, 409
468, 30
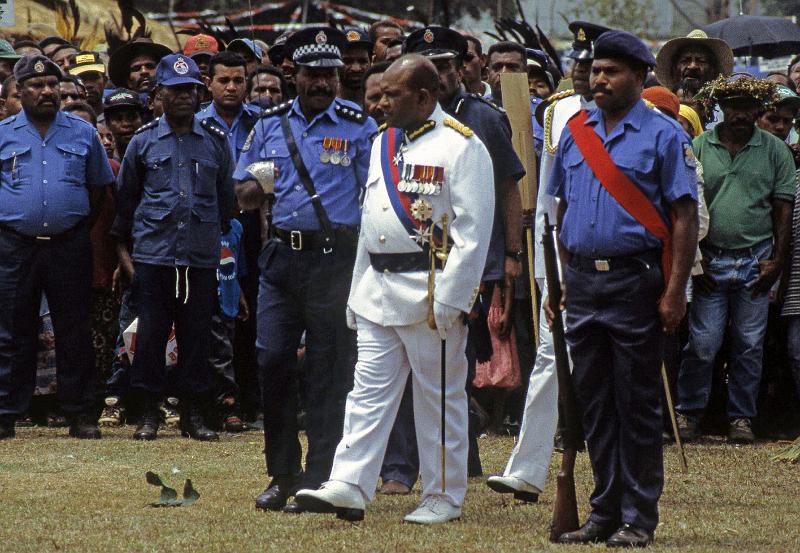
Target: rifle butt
565, 506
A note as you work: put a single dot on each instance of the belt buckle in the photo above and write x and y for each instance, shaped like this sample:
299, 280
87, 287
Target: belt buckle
602, 265
43, 237
296, 240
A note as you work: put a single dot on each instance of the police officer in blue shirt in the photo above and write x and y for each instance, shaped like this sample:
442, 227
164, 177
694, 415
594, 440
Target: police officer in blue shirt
227, 73
174, 197
50, 163
307, 266
618, 306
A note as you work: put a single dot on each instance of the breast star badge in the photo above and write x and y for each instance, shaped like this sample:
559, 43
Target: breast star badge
421, 210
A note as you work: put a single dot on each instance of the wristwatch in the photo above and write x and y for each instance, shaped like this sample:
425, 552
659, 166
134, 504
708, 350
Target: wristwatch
516, 256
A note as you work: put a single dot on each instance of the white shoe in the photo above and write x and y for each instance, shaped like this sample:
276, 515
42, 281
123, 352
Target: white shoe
519, 487
333, 496
434, 509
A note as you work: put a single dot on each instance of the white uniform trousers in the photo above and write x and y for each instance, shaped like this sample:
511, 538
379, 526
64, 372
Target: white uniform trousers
530, 459
385, 355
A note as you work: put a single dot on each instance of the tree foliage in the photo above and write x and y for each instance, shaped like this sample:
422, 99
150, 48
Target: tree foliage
635, 16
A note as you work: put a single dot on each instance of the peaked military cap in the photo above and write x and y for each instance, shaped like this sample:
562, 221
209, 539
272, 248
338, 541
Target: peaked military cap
585, 34
316, 47
437, 43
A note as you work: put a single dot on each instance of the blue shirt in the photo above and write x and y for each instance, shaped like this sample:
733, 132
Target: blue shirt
538, 130
491, 125
338, 186
44, 182
653, 151
175, 195
232, 266
238, 131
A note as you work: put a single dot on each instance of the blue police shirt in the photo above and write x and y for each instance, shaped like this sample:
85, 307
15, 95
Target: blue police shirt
492, 127
538, 130
653, 151
232, 266
44, 182
337, 186
238, 131
175, 195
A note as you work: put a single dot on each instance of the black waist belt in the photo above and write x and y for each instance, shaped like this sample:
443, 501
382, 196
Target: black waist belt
402, 262
43, 239
307, 240
604, 264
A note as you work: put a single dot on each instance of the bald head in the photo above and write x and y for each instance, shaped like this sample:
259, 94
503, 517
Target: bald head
409, 92
418, 72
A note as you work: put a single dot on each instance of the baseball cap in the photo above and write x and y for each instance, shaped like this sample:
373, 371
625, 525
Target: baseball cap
201, 44
86, 62
177, 69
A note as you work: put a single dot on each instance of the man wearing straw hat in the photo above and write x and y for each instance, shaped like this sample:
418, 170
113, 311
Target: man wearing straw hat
692, 61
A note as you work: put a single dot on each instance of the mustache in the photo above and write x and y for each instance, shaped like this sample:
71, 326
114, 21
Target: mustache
320, 92
601, 89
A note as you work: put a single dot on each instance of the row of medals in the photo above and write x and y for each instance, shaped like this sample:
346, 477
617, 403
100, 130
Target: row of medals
407, 184
330, 152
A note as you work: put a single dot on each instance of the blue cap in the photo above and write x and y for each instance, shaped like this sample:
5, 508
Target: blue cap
255, 49
177, 69
316, 47
617, 44
35, 65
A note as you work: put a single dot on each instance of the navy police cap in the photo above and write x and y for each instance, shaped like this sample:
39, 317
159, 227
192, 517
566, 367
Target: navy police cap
35, 65
617, 44
316, 47
358, 37
437, 43
177, 69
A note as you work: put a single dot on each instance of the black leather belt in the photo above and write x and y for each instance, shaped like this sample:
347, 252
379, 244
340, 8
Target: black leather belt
43, 239
307, 240
402, 262
604, 264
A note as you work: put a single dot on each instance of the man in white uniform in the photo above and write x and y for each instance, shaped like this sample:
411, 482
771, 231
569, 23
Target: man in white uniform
425, 165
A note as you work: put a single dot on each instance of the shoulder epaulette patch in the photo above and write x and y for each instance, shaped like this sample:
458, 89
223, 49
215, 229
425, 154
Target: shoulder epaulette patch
559, 96
486, 101
458, 127
150, 125
427, 126
351, 114
213, 127
280, 109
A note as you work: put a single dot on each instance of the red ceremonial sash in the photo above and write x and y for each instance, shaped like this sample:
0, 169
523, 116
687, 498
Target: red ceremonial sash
621, 188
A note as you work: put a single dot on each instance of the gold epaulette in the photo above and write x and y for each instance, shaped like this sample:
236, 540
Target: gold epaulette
422, 129
548, 119
458, 127
559, 96
382, 127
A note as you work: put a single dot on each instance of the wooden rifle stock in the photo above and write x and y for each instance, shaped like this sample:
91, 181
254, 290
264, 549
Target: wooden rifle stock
565, 507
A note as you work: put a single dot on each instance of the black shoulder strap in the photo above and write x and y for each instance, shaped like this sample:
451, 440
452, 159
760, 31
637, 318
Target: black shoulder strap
308, 184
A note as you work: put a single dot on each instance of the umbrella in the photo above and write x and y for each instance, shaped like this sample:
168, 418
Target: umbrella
756, 35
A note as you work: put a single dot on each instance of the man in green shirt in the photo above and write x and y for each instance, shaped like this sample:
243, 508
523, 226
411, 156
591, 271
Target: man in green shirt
749, 190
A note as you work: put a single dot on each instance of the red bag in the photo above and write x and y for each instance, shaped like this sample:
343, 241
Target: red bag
502, 370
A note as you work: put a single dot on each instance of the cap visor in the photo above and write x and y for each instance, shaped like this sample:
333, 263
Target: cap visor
176, 81
324, 62
579, 54
438, 54
14, 57
80, 70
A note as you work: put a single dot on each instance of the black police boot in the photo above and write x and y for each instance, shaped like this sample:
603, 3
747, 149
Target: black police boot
630, 536
84, 427
193, 424
591, 532
149, 420
277, 493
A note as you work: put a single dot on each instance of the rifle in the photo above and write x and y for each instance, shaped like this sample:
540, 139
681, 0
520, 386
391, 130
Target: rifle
565, 507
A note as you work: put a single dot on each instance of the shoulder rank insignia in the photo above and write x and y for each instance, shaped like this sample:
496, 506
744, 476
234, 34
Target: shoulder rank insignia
150, 125
427, 126
458, 127
351, 114
280, 109
213, 127
486, 101
249, 140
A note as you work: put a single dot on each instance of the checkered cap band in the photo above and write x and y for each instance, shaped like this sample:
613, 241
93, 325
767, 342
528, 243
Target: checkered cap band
309, 52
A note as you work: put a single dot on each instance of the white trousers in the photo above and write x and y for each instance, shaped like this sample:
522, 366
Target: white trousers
385, 356
530, 459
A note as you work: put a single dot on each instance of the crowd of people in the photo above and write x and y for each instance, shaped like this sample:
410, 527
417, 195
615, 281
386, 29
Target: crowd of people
209, 230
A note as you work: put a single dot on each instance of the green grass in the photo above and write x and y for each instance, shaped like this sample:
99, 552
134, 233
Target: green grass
60, 494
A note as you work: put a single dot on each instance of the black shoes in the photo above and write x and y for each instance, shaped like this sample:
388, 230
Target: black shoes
84, 427
590, 532
193, 424
630, 536
277, 493
293, 508
148, 426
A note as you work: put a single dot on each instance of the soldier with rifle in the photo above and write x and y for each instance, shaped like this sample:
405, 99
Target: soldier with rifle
627, 217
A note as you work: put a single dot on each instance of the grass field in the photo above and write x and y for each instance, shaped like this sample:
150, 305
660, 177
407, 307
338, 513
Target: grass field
60, 494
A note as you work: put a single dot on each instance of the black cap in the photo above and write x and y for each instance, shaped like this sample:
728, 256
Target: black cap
48, 40
35, 65
277, 51
623, 45
316, 47
358, 37
121, 98
585, 34
437, 43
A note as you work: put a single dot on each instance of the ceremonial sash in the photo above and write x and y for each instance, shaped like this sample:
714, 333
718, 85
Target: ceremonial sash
391, 141
621, 188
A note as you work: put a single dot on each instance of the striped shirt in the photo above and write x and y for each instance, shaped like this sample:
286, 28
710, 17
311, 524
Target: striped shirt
791, 302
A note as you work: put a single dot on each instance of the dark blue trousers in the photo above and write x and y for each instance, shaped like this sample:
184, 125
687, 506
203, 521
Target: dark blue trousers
304, 291
63, 271
154, 289
615, 339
